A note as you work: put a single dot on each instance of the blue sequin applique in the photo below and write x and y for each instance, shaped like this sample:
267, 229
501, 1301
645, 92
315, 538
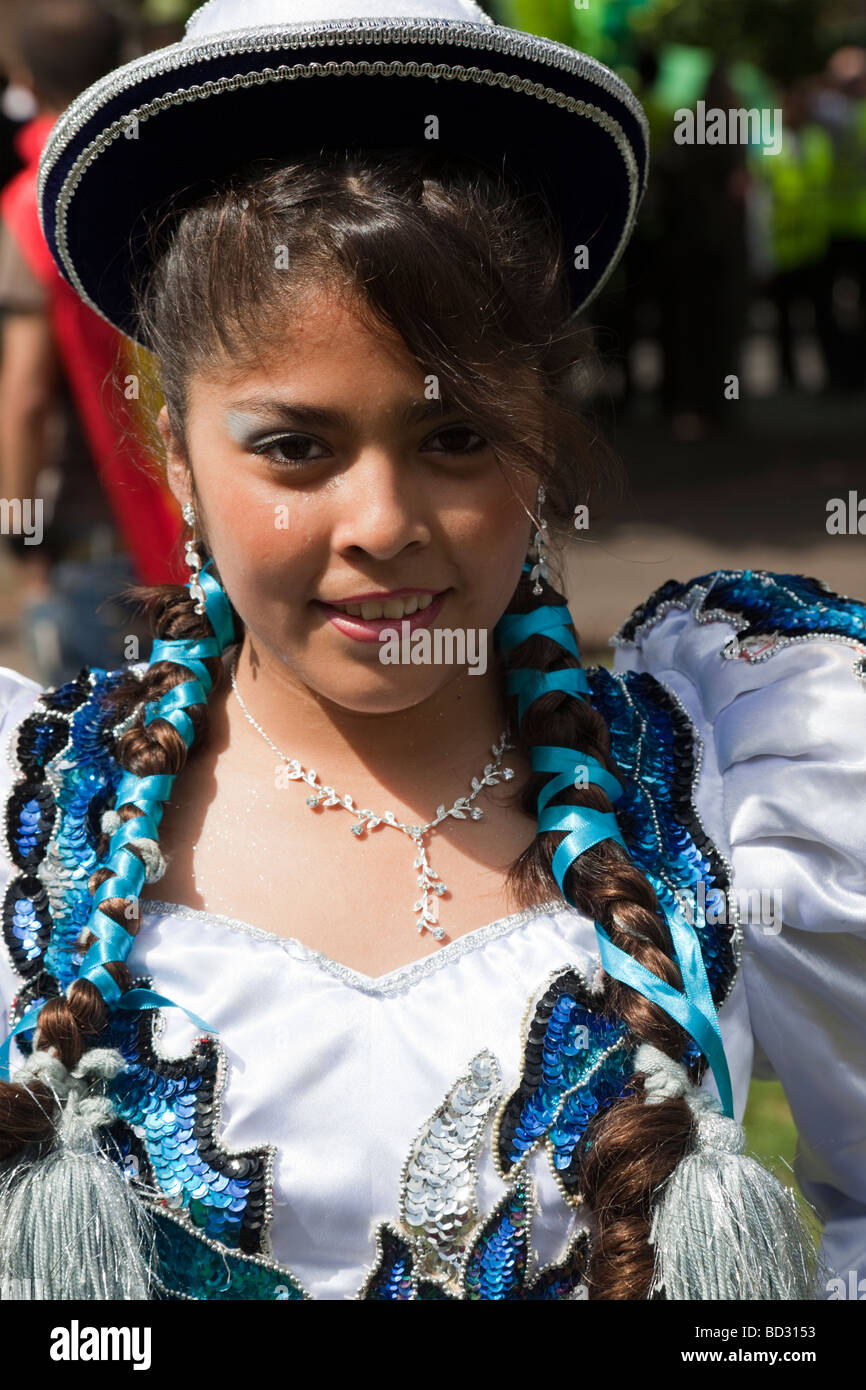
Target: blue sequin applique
211, 1224
575, 1062
212, 1220
658, 757
768, 610
441, 1247
51, 756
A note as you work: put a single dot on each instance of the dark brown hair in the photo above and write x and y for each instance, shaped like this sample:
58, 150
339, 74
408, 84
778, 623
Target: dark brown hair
470, 272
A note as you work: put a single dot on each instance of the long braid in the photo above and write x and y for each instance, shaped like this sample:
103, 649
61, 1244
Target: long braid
69, 1022
157, 747
630, 1148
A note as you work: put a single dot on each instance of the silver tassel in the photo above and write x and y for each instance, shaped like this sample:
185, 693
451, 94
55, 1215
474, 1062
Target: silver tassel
723, 1226
71, 1226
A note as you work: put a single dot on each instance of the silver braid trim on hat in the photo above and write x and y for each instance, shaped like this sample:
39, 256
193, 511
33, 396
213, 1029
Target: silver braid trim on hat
268, 38
349, 69
475, 36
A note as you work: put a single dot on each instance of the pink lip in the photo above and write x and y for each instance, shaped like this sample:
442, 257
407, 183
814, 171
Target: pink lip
368, 629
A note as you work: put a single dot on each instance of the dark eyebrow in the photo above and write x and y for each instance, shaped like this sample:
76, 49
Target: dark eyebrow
301, 413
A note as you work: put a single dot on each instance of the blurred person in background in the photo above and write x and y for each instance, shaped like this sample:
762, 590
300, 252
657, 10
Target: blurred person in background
842, 110
702, 273
10, 160
59, 433
631, 302
794, 188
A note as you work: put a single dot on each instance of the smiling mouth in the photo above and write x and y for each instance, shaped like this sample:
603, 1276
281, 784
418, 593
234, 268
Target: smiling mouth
394, 608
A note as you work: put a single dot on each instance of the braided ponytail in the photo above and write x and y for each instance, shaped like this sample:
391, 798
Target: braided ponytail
70, 1223
633, 1147
69, 1021
155, 748
628, 1149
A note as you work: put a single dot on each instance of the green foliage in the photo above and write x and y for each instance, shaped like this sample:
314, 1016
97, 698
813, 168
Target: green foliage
550, 19
786, 39
783, 37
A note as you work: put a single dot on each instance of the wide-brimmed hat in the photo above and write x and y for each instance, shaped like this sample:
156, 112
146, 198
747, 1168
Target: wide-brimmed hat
280, 78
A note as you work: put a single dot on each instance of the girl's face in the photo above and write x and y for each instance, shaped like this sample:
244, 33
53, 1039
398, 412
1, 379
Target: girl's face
330, 481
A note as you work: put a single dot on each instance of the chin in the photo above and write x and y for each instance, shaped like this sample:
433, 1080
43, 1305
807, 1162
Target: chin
388, 695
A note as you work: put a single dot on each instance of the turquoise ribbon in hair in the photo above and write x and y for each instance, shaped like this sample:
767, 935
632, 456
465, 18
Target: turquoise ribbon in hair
148, 793
693, 1008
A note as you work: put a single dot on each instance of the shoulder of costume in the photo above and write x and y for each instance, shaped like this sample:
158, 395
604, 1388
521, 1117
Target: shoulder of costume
769, 673
772, 670
685, 655
761, 613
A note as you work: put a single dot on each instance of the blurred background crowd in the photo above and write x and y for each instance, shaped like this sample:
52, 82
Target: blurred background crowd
731, 340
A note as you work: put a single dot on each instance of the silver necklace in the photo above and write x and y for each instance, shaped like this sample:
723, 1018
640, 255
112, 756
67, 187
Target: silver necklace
428, 880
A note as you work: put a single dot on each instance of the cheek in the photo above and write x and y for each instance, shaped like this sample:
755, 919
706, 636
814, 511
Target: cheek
486, 545
495, 542
268, 536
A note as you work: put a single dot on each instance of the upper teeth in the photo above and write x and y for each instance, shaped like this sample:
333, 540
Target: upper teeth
391, 608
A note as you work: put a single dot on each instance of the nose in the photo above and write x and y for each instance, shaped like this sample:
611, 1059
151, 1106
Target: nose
382, 509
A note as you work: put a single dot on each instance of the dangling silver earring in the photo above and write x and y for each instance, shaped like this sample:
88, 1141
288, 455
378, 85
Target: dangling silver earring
542, 536
193, 560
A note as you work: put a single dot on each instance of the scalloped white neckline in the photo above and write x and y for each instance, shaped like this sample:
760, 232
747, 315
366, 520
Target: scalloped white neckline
393, 980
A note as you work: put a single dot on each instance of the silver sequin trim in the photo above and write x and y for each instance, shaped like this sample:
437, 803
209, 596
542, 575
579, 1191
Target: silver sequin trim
735, 649
439, 1179
395, 981
337, 33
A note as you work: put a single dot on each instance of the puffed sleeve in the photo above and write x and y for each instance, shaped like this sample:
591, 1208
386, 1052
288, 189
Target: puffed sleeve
17, 695
782, 790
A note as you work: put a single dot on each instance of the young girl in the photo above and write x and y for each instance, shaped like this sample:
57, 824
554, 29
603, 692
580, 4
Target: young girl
331, 976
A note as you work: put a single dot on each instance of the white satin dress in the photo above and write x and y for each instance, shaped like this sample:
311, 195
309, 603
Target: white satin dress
342, 1074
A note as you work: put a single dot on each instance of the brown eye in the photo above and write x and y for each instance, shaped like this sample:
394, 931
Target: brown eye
455, 437
288, 449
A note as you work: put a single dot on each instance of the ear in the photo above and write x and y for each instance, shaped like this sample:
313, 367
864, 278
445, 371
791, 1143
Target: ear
177, 464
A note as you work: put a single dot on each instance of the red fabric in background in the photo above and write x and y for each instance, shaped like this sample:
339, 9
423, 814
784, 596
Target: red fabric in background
147, 515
